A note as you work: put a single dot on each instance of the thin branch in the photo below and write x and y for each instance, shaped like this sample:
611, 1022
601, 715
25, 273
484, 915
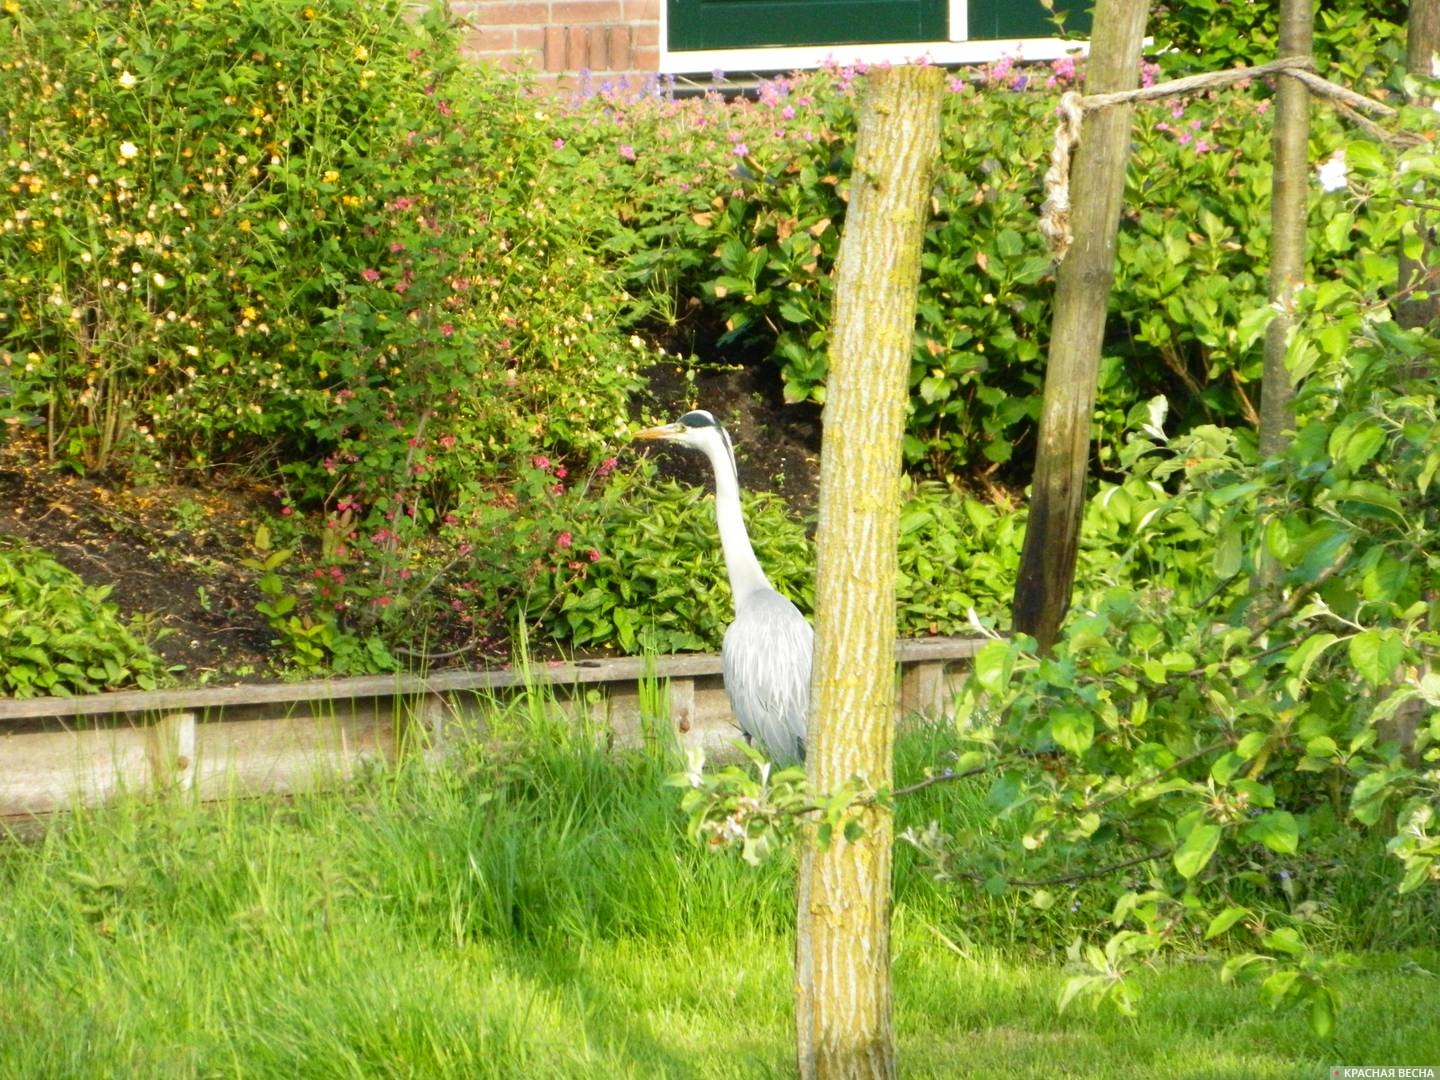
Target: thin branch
1178, 763
1078, 875
1209, 80
944, 777
1087, 875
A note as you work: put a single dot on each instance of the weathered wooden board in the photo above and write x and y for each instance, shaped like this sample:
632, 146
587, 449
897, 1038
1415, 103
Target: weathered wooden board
280, 738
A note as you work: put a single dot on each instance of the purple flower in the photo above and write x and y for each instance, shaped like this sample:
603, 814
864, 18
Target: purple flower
741, 150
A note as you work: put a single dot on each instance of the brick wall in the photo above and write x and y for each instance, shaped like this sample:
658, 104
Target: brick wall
564, 37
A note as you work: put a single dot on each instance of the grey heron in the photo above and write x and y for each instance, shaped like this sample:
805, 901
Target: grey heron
768, 647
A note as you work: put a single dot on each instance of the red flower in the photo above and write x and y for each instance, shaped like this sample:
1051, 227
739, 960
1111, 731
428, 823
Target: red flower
370, 275
564, 540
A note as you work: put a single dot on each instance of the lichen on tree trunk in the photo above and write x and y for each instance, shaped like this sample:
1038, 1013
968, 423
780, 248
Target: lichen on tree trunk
842, 991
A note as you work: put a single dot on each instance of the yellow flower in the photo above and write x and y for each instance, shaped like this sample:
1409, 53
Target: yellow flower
330, 176
249, 312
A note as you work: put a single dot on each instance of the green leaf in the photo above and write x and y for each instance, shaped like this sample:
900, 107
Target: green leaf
994, 664
1073, 730
1376, 654
1323, 1006
1277, 830
1251, 745
1224, 921
1307, 652
1195, 853
1229, 551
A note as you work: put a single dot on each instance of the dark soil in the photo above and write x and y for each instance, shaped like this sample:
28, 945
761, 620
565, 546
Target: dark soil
172, 551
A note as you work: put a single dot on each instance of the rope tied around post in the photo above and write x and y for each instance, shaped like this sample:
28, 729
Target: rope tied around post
1054, 222
1055, 211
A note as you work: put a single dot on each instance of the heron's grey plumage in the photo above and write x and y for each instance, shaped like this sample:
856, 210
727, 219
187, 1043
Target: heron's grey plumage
769, 646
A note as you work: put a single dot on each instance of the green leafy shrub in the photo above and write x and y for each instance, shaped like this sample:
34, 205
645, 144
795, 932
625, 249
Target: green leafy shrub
59, 636
1352, 40
736, 208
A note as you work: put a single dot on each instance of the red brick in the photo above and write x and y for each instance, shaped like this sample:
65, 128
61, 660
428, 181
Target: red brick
490, 39
577, 47
597, 53
646, 60
530, 37
512, 13
619, 50
646, 36
555, 48
642, 10
574, 12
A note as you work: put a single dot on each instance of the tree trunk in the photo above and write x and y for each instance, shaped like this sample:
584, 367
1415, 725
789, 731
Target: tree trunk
1422, 38
1289, 198
842, 947
1422, 43
1082, 295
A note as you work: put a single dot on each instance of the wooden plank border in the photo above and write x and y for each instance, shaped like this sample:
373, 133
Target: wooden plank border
277, 738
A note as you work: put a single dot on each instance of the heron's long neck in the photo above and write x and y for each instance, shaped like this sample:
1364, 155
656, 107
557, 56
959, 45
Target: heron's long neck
740, 562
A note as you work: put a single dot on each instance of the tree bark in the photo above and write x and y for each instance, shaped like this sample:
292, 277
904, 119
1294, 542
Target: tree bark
1082, 294
1289, 199
1422, 38
842, 949
1422, 43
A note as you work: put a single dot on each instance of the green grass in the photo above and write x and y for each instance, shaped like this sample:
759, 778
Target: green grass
542, 915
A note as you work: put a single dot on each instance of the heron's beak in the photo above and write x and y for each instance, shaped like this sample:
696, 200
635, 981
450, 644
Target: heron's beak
664, 431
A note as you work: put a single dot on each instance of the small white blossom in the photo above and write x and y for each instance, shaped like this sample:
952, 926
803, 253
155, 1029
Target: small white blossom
128, 150
127, 80
1332, 172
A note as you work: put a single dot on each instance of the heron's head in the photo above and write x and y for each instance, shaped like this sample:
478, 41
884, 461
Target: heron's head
698, 430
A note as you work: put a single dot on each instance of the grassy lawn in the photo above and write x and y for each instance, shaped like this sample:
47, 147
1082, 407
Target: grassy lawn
547, 918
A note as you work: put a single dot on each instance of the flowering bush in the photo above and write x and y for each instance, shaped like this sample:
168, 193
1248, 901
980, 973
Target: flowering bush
305, 238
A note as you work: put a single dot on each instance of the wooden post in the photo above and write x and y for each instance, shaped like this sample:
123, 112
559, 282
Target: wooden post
842, 946
1082, 294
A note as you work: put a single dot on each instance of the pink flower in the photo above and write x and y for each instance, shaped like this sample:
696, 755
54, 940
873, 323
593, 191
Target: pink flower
741, 150
446, 330
593, 555
540, 461
370, 275
564, 540
607, 467
560, 472
627, 152
559, 144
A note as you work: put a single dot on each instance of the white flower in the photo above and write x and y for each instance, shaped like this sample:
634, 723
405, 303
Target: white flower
159, 280
128, 150
1332, 173
127, 80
